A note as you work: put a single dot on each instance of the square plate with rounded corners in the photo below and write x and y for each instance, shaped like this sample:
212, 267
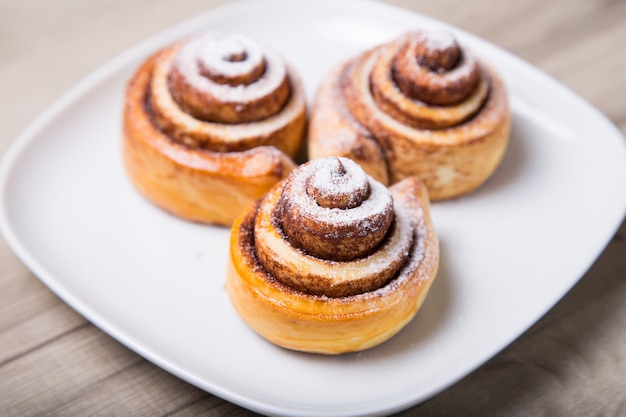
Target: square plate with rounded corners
509, 251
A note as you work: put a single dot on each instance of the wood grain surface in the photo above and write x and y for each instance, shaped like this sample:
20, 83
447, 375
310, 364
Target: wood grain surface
53, 362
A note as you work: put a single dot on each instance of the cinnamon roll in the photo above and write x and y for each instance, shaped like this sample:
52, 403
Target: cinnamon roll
331, 260
211, 123
421, 105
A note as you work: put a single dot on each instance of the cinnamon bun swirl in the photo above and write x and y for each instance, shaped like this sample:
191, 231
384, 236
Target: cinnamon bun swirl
332, 261
210, 124
421, 105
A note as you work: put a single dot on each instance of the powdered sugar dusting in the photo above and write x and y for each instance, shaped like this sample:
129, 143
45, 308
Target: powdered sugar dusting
378, 201
331, 178
438, 40
377, 117
215, 50
212, 51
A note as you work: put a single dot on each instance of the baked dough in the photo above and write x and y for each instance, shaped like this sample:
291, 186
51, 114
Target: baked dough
300, 294
421, 105
211, 123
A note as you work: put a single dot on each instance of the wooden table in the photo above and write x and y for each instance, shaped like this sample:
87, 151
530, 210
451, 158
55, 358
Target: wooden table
53, 362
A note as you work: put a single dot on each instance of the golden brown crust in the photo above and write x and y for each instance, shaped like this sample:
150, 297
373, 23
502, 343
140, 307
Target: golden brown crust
198, 170
333, 131
453, 148
310, 319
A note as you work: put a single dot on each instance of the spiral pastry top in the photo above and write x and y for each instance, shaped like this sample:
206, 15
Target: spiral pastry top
420, 105
332, 261
226, 78
222, 100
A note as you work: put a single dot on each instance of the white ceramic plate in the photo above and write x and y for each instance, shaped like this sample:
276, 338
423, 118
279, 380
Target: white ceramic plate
508, 251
